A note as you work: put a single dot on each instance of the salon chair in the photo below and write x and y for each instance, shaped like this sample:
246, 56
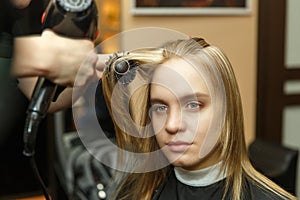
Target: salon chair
277, 162
81, 175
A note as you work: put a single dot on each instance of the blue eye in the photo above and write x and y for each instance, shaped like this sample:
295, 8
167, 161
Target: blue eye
159, 108
193, 105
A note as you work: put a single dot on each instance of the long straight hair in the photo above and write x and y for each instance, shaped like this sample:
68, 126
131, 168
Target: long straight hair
232, 147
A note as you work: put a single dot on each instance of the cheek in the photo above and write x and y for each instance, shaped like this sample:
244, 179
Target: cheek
160, 139
197, 126
204, 124
158, 122
207, 137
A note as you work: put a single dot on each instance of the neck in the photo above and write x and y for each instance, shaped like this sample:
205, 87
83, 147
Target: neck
202, 177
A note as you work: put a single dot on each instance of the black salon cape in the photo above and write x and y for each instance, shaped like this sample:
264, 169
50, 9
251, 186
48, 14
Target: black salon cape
175, 190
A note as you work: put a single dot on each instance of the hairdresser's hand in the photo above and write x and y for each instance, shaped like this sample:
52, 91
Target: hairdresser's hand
101, 64
54, 57
20, 4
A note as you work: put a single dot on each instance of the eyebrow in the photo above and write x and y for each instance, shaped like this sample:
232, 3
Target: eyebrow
194, 96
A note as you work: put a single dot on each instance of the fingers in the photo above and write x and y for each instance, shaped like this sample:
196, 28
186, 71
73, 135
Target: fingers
102, 58
101, 64
55, 57
92, 67
83, 44
86, 71
20, 4
75, 60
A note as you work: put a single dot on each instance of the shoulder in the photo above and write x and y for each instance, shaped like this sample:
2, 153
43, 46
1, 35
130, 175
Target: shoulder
255, 192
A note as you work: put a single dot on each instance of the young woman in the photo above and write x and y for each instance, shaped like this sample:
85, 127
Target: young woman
179, 124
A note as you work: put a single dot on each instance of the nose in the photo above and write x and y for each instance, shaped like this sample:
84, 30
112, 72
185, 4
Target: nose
174, 122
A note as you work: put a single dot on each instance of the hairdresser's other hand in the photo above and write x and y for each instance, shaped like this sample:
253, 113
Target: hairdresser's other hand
55, 57
20, 4
101, 64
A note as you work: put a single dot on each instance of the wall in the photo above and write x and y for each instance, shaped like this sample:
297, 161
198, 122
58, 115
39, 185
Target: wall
291, 114
236, 35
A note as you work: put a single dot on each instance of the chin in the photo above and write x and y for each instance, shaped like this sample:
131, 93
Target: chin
183, 162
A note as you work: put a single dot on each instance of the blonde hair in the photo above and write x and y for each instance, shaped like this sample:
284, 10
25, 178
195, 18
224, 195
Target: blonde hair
232, 146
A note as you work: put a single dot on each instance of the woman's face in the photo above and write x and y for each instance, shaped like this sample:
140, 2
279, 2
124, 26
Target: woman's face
181, 113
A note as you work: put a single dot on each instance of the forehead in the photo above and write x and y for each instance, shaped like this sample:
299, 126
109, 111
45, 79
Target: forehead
180, 77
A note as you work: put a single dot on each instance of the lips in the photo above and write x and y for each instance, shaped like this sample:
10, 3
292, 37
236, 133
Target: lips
178, 146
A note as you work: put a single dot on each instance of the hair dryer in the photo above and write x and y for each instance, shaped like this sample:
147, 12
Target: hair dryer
70, 18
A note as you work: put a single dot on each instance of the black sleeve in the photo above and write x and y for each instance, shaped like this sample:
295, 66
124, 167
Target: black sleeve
6, 16
102, 112
255, 192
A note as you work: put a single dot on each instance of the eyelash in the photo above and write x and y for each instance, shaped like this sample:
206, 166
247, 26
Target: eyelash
199, 105
164, 108
158, 108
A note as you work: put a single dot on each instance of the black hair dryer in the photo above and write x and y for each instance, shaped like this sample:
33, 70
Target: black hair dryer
72, 18
69, 18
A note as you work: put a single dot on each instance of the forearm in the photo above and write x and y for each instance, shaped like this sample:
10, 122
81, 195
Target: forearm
63, 101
